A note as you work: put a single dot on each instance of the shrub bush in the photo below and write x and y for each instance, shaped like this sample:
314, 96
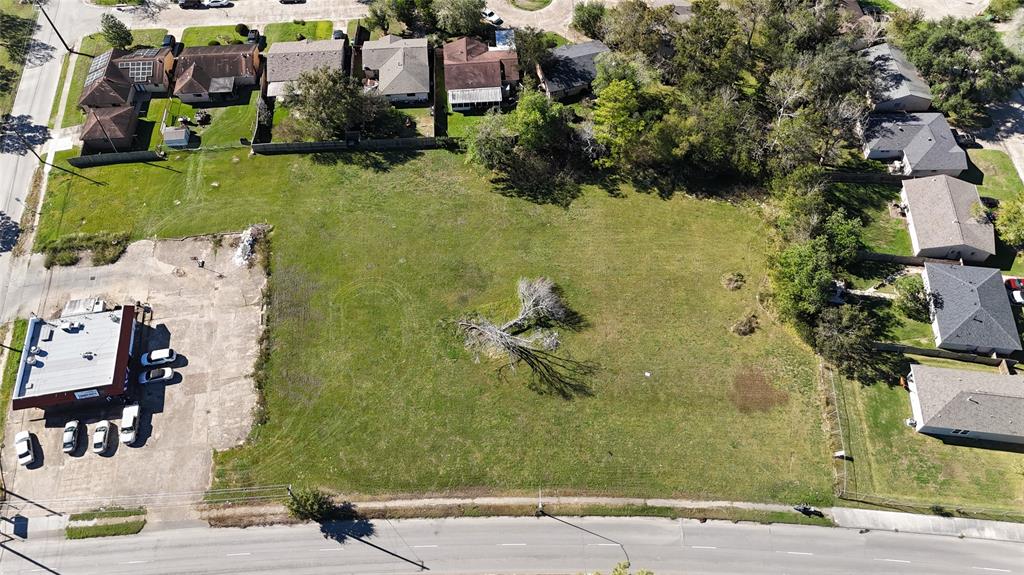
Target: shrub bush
300, 36
310, 504
241, 29
235, 41
213, 43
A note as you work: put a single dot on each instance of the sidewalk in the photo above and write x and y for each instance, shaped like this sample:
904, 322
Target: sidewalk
927, 524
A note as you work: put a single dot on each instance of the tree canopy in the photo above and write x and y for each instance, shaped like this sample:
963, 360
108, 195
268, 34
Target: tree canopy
115, 32
588, 18
326, 103
458, 17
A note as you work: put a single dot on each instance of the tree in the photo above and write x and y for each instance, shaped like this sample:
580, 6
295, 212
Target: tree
803, 277
588, 18
458, 17
327, 103
633, 68
634, 26
533, 47
844, 336
912, 300
1010, 222
379, 16
115, 32
798, 203
309, 504
617, 122
710, 48
541, 308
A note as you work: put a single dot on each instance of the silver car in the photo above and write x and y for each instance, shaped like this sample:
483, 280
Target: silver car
70, 441
101, 437
24, 449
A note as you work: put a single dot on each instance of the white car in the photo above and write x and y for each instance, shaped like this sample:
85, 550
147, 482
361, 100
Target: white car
70, 441
216, 3
1017, 297
129, 424
159, 357
156, 375
23, 447
101, 437
490, 16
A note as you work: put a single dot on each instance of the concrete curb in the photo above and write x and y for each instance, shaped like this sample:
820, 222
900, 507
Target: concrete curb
928, 524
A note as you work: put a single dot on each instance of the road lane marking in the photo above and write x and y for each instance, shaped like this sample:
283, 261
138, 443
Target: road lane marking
131, 562
513, 544
333, 549
237, 554
602, 544
892, 560
702, 547
798, 553
424, 546
997, 570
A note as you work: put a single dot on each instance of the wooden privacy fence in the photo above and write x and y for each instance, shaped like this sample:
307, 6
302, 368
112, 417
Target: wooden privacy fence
942, 353
867, 178
903, 260
115, 158
345, 145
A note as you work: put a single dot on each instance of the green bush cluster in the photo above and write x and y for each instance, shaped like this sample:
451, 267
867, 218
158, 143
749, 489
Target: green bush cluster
106, 248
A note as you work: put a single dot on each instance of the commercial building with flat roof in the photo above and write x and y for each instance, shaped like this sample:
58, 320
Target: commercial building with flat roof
83, 358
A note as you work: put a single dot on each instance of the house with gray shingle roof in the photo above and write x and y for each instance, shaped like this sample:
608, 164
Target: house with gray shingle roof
571, 69
970, 309
959, 403
922, 143
397, 68
944, 221
286, 61
901, 87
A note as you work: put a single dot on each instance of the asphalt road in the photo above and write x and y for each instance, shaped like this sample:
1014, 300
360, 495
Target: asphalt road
516, 545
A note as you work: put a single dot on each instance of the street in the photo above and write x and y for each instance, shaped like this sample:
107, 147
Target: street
515, 545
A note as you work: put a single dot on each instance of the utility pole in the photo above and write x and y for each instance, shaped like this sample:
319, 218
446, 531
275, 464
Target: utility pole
39, 3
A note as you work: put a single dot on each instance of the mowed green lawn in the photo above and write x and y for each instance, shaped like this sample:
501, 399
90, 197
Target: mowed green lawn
370, 391
227, 123
202, 35
891, 460
26, 15
289, 31
95, 45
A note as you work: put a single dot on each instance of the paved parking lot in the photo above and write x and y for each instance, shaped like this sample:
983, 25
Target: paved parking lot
211, 317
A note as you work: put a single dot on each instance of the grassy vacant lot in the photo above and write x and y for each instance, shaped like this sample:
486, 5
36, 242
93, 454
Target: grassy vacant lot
10, 372
27, 12
96, 45
368, 389
289, 31
227, 123
892, 460
203, 35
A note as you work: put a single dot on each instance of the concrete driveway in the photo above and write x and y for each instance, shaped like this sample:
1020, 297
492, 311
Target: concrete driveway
211, 317
937, 9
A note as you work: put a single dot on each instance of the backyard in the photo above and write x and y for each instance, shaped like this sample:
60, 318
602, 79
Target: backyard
368, 390
227, 123
96, 45
891, 460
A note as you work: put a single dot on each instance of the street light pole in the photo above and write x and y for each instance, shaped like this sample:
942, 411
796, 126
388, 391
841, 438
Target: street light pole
39, 3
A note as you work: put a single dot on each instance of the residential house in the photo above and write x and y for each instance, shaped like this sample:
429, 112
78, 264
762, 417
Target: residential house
918, 144
946, 219
959, 403
206, 74
286, 61
109, 129
571, 69
477, 76
902, 87
970, 309
148, 69
105, 86
397, 68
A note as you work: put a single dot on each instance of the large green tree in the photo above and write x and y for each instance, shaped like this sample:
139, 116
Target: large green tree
533, 47
588, 18
634, 26
458, 17
115, 32
325, 103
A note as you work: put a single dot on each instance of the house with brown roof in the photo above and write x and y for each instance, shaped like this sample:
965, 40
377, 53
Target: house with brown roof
206, 74
105, 86
148, 69
109, 129
476, 75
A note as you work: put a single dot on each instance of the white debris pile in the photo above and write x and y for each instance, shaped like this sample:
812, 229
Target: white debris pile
247, 244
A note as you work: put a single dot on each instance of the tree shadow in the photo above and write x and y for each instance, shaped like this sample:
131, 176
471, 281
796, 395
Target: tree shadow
37, 53
10, 231
346, 522
858, 199
561, 377
18, 134
376, 161
17, 37
559, 190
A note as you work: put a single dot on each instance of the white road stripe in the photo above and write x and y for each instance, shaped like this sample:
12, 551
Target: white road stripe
892, 560
131, 562
993, 569
424, 546
702, 547
333, 549
513, 544
798, 553
602, 544
237, 554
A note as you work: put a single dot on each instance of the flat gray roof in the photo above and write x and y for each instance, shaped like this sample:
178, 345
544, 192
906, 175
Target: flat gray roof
70, 358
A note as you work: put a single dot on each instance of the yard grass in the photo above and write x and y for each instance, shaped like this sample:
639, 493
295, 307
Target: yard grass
105, 530
203, 35
530, 4
375, 33
886, 6
96, 45
288, 31
107, 512
369, 391
227, 123
891, 460
10, 372
462, 125
996, 177
26, 13
55, 107
886, 234
555, 38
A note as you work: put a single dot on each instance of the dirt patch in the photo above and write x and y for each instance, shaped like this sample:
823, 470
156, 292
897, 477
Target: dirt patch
753, 393
733, 281
746, 326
